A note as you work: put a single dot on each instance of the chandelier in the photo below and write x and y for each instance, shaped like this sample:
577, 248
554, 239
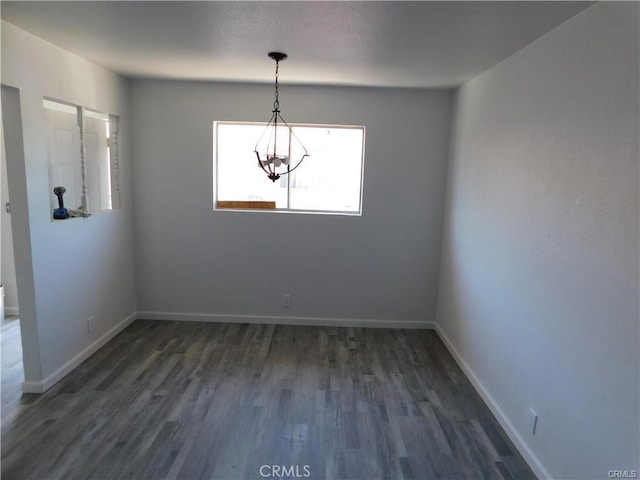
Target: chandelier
274, 147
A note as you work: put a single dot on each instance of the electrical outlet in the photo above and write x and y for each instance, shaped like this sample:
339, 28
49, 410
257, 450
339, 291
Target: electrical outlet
286, 300
532, 421
90, 325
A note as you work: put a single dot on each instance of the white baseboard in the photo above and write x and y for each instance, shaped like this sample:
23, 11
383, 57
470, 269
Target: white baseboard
44, 385
265, 319
522, 446
11, 311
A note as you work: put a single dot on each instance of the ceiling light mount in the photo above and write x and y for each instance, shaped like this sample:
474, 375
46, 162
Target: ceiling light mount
277, 56
278, 143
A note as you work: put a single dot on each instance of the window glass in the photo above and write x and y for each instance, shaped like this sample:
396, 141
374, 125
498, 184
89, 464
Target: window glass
329, 180
240, 176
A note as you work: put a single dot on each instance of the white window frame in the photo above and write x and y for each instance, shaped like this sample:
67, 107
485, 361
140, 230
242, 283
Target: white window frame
289, 209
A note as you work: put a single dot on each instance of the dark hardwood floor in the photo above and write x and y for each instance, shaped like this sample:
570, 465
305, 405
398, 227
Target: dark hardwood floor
12, 372
178, 400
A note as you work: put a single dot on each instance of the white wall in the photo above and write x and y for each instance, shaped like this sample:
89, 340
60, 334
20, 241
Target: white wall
75, 268
381, 267
539, 276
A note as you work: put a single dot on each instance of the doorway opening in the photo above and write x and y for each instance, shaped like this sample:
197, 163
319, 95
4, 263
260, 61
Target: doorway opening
11, 348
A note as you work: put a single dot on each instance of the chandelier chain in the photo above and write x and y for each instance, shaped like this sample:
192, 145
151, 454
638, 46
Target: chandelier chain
276, 103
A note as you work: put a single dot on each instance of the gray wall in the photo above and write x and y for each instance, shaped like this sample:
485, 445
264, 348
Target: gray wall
539, 277
196, 263
66, 270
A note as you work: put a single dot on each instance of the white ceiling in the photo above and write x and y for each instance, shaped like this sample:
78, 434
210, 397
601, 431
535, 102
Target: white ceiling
379, 43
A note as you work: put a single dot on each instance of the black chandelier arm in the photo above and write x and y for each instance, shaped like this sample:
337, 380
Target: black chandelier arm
272, 121
270, 170
289, 169
306, 152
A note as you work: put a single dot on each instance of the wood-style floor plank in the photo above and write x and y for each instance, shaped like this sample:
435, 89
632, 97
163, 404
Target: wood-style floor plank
177, 400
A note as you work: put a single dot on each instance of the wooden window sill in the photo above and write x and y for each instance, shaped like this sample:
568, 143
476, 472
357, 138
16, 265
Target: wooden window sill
246, 204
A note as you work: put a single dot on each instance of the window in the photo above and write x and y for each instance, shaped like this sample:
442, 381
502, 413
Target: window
329, 180
82, 155
98, 161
